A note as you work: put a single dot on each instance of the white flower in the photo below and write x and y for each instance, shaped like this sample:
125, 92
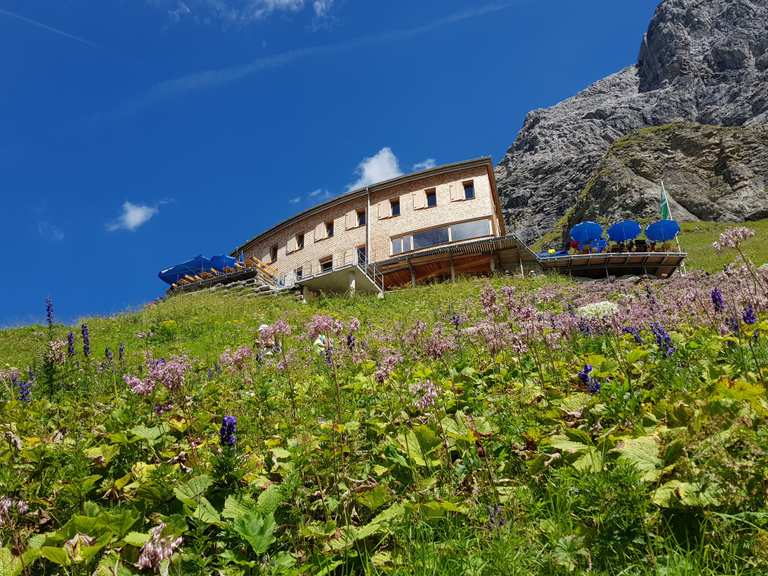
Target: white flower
598, 310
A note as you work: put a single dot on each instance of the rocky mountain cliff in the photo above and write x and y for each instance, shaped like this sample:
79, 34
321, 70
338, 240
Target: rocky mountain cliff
710, 173
702, 61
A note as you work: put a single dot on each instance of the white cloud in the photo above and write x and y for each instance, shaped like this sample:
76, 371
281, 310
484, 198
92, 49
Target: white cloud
381, 166
295, 200
227, 11
424, 165
133, 216
49, 232
315, 193
322, 7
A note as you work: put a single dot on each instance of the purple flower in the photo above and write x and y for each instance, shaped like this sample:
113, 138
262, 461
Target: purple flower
161, 409
227, 431
663, 340
121, 352
717, 300
170, 374
351, 341
734, 324
25, 391
86, 340
387, 365
49, 311
237, 359
496, 517
426, 394
139, 386
108, 354
439, 344
634, 332
749, 315
322, 324
733, 237
592, 384
70, 344
157, 549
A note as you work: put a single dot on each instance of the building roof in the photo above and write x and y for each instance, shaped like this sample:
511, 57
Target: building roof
361, 192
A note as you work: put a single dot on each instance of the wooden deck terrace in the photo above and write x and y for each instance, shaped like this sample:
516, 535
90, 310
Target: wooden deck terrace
604, 264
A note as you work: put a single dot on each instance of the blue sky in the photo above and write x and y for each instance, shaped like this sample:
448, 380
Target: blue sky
135, 134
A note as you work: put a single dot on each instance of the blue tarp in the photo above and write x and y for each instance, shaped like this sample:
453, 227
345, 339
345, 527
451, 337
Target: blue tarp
624, 230
662, 231
223, 261
196, 265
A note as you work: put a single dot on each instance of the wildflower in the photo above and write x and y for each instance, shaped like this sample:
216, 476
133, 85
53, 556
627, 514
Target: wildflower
236, 359
733, 237
322, 324
592, 384
108, 354
161, 409
86, 340
170, 374
7, 505
488, 301
634, 332
157, 549
663, 339
354, 325
139, 386
387, 365
717, 300
121, 352
496, 517
227, 431
734, 324
70, 344
426, 394
351, 341
597, 310
413, 335
55, 352
749, 315
49, 311
457, 320
438, 344
25, 387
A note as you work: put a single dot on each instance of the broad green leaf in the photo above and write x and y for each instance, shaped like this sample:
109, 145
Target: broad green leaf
10, 565
56, 555
136, 539
590, 461
381, 523
257, 530
563, 444
205, 512
149, 434
270, 499
191, 491
103, 454
675, 493
236, 506
375, 498
643, 452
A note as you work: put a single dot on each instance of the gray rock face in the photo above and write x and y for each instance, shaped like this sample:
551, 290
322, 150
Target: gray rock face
710, 173
703, 61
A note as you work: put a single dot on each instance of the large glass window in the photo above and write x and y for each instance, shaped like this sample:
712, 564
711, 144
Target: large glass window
400, 245
430, 238
467, 230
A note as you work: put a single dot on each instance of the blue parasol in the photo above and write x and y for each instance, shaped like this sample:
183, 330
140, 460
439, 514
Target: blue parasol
624, 230
662, 231
194, 266
586, 232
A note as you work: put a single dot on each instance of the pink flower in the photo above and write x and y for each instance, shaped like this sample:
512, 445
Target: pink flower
139, 386
733, 237
237, 359
322, 324
157, 549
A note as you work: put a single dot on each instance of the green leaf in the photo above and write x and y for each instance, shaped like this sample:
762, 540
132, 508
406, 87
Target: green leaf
675, 492
149, 434
136, 539
643, 452
205, 512
103, 454
381, 523
257, 530
236, 506
591, 461
191, 491
56, 555
270, 499
10, 565
563, 444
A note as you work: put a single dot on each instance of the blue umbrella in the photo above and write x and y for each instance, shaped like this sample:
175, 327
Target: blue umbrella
586, 232
662, 231
624, 230
223, 261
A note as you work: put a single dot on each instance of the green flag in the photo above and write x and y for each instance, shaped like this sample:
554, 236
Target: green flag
666, 213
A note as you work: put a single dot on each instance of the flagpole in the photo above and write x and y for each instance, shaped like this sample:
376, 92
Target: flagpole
677, 236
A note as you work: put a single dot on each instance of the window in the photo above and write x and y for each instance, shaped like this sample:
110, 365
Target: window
430, 238
273, 253
300, 241
442, 235
469, 190
329, 229
467, 230
299, 273
361, 217
395, 205
400, 245
431, 198
326, 264
361, 256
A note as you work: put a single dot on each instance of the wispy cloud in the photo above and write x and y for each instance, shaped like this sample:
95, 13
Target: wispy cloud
320, 194
425, 165
42, 26
206, 79
49, 232
322, 7
381, 166
133, 216
226, 11
295, 200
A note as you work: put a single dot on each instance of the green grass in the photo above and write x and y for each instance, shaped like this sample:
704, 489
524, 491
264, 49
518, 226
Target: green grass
696, 239
516, 469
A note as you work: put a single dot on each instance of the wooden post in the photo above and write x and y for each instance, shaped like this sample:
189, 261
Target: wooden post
453, 269
413, 274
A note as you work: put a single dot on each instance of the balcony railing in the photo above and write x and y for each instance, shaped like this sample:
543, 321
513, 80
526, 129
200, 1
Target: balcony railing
340, 260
